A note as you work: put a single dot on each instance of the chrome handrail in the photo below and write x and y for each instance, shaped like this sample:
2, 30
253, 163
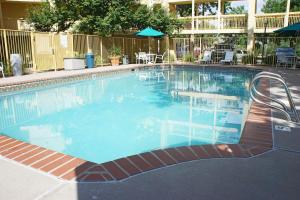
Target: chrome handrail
269, 98
269, 105
284, 108
271, 74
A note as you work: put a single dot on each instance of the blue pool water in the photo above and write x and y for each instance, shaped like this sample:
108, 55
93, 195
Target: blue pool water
116, 116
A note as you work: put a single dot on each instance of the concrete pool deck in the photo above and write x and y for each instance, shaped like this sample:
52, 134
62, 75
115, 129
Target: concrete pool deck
273, 175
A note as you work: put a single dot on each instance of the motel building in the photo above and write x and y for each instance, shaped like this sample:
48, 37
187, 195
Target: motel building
251, 23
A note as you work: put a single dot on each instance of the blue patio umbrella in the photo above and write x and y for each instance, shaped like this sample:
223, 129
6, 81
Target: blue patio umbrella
291, 30
149, 32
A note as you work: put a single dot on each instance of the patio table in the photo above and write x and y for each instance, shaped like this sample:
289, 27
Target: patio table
151, 57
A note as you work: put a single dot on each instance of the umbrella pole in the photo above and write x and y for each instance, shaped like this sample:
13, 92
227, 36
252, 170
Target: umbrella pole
158, 47
149, 44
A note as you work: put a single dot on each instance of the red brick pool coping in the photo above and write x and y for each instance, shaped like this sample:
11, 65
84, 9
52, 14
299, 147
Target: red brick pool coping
256, 139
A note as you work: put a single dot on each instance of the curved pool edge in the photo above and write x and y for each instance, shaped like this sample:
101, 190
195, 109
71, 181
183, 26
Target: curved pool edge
74, 169
256, 139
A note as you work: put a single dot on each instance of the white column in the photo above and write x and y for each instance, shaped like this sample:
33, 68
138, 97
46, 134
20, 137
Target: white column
150, 3
51, 2
219, 15
193, 16
165, 5
251, 24
287, 13
193, 28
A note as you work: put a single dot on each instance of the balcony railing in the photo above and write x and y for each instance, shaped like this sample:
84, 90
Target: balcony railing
206, 22
294, 17
275, 20
239, 22
233, 21
272, 21
211, 22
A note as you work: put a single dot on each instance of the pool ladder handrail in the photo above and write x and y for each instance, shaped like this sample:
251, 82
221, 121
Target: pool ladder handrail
284, 109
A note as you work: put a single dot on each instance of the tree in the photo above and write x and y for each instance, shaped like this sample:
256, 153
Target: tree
209, 8
184, 10
278, 6
42, 18
104, 17
141, 17
164, 22
58, 17
234, 10
274, 6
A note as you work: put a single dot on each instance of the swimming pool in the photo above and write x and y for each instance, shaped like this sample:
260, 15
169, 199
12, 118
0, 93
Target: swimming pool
116, 116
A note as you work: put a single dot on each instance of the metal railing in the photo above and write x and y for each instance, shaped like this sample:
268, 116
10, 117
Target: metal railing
212, 23
294, 17
42, 51
234, 21
273, 20
291, 112
240, 21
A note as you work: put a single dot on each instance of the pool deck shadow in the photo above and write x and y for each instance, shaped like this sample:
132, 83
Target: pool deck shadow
287, 140
273, 175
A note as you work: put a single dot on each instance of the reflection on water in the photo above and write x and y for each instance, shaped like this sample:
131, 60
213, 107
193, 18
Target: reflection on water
104, 119
47, 136
19, 108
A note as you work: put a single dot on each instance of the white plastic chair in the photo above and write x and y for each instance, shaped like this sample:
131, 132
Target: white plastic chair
161, 57
2, 69
228, 58
136, 57
141, 56
206, 57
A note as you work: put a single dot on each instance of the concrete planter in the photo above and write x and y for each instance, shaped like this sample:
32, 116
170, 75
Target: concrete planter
115, 60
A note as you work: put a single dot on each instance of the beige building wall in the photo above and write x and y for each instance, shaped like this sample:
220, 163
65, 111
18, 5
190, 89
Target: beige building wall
12, 11
1, 17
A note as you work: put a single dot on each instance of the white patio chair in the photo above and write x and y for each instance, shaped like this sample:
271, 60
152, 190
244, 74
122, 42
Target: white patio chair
2, 69
161, 57
144, 57
138, 58
206, 57
141, 56
228, 58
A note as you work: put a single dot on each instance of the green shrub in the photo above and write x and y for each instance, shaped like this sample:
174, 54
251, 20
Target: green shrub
98, 60
78, 55
115, 51
249, 59
171, 59
8, 70
188, 58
